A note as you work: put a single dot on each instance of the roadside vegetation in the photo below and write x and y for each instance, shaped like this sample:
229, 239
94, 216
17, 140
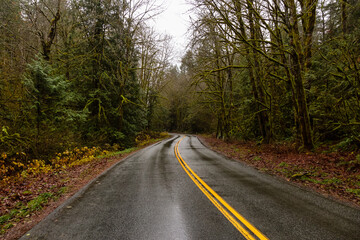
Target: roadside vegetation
329, 171
25, 189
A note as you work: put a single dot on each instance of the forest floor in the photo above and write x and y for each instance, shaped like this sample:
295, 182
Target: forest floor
333, 174
25, 203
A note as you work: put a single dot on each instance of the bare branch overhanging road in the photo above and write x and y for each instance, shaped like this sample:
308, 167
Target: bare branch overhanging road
155, 194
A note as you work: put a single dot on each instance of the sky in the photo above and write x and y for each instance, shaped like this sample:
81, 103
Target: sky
174, 21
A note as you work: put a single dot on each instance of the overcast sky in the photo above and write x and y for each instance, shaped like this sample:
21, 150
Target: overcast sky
174, 21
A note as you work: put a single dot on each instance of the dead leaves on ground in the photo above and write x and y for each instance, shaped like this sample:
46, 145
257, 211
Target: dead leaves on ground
335, 174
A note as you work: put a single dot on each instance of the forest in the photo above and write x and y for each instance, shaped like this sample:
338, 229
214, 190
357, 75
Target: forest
94, 73
276, 70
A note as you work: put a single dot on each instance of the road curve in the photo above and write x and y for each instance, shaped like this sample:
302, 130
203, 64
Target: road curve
153, 195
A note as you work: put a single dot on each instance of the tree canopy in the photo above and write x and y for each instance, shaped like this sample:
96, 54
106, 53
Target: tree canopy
94, 72
277, 70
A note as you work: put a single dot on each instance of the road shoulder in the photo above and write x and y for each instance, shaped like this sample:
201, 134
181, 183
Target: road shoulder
308, 171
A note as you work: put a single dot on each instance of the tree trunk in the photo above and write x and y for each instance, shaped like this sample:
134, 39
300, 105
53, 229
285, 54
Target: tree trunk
257, 83
344, 15
308, 8
299, 60
47, 42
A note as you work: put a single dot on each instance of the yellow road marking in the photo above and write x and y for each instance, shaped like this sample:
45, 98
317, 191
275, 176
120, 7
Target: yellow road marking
216, 199
221, 209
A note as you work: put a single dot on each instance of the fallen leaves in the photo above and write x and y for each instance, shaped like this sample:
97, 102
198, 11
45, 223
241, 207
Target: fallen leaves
336, 174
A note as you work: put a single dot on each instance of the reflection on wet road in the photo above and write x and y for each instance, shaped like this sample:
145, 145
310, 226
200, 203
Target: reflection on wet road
150, 196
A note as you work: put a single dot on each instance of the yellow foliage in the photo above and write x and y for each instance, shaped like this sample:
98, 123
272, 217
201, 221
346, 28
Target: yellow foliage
18, 164
6, 179
82, 161
37, 167
142, 139
3, 169
164, 135
13, 169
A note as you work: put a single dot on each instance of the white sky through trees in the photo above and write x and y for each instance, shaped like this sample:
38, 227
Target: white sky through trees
174, 21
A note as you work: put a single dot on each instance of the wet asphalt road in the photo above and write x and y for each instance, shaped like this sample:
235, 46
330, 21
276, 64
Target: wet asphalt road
149, 196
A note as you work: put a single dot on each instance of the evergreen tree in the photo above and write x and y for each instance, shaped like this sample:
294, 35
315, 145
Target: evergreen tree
49, 112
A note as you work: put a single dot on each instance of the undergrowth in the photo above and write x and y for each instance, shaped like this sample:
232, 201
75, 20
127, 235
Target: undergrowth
17, 171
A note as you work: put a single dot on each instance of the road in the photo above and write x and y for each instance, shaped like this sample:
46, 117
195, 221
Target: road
179, 189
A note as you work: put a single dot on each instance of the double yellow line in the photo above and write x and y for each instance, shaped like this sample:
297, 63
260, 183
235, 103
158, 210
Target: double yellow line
239, 222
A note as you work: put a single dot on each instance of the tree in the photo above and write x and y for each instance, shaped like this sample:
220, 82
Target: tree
155, 55
44, 15
244, 25
13, 55
48, 107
